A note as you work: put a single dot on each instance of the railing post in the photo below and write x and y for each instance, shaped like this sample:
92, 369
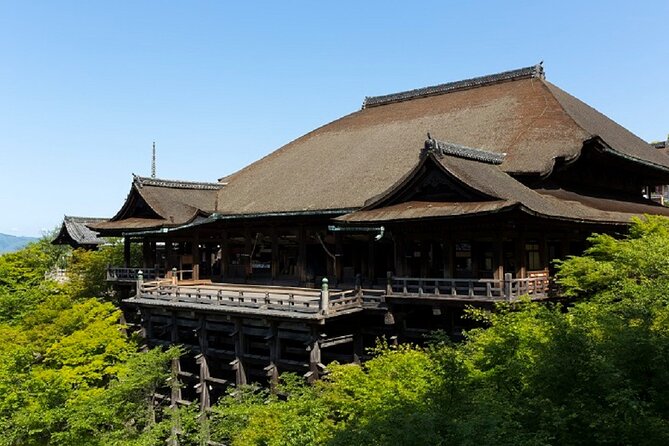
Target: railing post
174, 276
140, 279
325, 296
507, 286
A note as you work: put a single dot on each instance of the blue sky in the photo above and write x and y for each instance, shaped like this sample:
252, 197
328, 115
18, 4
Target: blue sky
85, 87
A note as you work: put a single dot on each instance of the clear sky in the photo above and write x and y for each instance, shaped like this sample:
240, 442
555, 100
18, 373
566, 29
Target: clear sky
87, 86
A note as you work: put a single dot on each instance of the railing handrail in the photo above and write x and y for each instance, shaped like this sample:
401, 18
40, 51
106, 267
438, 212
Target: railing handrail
507, 288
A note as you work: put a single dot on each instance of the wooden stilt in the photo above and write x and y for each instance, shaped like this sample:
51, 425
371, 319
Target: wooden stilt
238, 363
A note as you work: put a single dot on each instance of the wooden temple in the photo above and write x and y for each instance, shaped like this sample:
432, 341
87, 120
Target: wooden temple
74, 232
385, 222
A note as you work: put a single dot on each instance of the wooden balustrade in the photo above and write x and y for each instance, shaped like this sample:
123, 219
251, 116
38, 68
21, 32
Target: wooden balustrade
115, 274
313, 303
486, 289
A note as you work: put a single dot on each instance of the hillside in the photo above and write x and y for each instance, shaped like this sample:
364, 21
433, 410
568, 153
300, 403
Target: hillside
9, 243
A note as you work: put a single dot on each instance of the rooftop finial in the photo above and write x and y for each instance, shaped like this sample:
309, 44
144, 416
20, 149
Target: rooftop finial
153, 161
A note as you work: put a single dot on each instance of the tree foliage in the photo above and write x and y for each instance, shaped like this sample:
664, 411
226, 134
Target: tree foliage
68, 373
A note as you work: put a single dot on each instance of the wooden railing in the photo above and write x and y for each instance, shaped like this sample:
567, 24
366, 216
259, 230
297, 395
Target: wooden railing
314, 303
116, 274
508, 288
305, 301
57, 274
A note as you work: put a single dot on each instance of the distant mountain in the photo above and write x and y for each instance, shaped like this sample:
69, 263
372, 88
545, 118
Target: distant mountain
9, 243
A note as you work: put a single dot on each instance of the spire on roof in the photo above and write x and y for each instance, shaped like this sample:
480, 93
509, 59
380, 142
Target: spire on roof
153, 161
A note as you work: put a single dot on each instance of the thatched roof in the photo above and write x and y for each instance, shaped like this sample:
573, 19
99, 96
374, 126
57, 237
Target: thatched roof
154, 203
341, 165
498, 127
75, 233
497, 192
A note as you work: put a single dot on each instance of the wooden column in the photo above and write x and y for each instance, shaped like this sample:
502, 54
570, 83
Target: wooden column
201, 359
400, 259
148, 254
371, 260
498, 248
175, 396
520, 256
338, 263
358, 347
315, 364
449, 253
302, 255
195, 253
225, 255
275, 253
238, 363
248, 247
126, 252
274, 354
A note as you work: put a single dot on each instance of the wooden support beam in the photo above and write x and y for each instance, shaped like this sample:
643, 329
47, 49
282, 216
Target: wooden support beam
225, 255
275, 253
338, 340
315, 365
126, 252
302, 254
248, 248
499, 257
202, 387
358, 348
195, 253
371, 259
338, 266
272, 369
238, 363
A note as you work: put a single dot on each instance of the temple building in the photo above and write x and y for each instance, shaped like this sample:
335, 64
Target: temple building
387, 221
74, 232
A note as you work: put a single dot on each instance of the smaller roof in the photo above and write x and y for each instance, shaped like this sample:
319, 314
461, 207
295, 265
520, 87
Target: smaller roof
154, 203
75, 232
484, 188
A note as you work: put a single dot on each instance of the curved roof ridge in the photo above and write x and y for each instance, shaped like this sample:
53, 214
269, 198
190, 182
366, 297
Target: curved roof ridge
441, 148
77, 219
177, 184
534, 71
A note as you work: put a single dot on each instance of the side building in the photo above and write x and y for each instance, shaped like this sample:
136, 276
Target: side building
385, 222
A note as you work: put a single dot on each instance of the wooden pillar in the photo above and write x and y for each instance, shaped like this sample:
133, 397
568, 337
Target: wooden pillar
248, 247
399, 245
147, 260
520, 256
358, 347
498, 248
449, 253
225, 255
238, 363
315, 364
201, 360
371, 260
126, 252
274, 354
543, 251
338, 266
302, 255
195, 253
275, 254
424, 258
175, 396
